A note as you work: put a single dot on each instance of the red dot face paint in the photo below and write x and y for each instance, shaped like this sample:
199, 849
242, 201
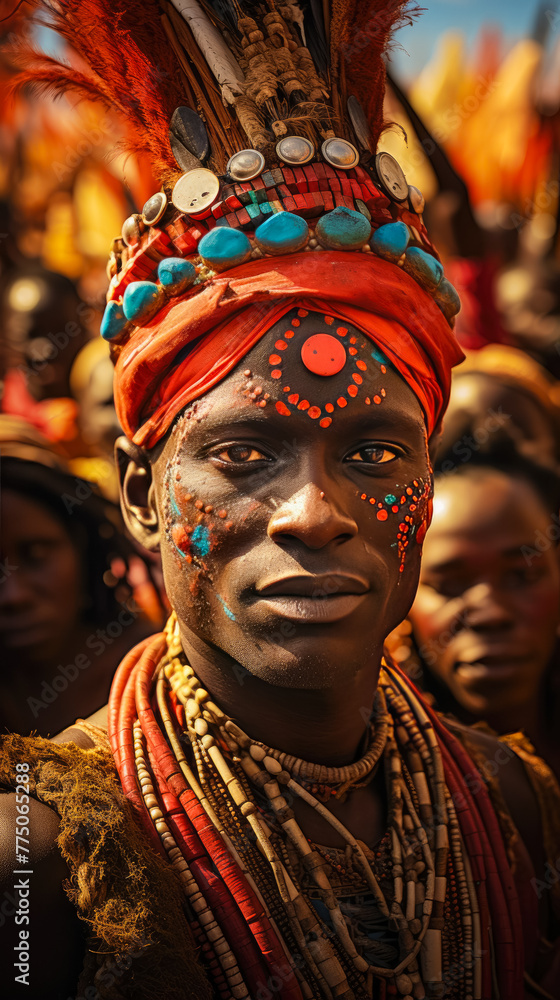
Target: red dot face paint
325, 355
416, 522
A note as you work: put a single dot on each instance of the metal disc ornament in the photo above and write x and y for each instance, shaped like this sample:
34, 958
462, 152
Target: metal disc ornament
154, 208
340, 153
391, 176
196, 191
294, 149
131, 230
246, 165
417, 200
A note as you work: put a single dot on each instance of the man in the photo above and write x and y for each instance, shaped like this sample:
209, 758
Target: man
317, 832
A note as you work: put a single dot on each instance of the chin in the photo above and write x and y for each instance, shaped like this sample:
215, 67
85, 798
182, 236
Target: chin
304, 664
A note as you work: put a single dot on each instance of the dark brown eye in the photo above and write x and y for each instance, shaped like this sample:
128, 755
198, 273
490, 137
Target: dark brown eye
374, 455
240, 453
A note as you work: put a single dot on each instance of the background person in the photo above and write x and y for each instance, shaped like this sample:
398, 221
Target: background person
67, 607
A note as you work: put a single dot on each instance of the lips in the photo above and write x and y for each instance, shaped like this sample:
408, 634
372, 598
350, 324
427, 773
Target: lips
312, 599
493, 662
318, 587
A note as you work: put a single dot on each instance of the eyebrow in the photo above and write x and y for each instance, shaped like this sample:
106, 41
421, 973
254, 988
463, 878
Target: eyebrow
347, 420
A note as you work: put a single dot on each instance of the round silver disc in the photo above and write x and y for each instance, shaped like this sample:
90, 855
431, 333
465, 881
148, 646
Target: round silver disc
246, 165
295, 149
195, 191
340, 153
154, 208
417, 200
131, 230
392, 177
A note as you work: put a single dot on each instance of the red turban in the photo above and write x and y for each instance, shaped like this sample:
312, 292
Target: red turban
195, 342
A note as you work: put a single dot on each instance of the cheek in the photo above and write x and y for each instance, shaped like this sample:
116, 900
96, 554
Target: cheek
62, 583
540, 606
433, 618
202, 538
405, 511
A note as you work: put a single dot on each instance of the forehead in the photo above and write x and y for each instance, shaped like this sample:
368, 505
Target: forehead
488, 509
314, 373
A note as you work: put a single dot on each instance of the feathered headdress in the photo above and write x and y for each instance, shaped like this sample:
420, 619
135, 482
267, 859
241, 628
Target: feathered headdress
261, 120
252, 71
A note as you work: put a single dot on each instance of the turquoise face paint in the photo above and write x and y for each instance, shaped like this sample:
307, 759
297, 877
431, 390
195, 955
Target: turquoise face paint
229, 613
200, 541
378, 356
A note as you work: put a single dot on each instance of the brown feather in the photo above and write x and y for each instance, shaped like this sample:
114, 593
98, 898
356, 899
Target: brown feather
361, 34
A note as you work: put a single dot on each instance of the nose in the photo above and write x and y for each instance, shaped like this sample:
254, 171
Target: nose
485, 609
311, 517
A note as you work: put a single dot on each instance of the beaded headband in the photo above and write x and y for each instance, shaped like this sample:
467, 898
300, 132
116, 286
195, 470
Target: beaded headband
210, 224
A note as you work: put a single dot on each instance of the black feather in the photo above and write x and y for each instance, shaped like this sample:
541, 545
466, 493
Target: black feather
315, 37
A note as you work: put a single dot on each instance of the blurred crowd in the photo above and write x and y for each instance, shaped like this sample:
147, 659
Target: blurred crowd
479, 133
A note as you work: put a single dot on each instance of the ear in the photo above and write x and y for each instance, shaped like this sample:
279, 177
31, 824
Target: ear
137, 493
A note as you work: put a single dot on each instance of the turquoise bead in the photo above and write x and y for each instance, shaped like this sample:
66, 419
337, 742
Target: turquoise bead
113, 322
282, 233
390, 241
141, 301
447, 299
343, 229
176, 275
424, 268
223, 248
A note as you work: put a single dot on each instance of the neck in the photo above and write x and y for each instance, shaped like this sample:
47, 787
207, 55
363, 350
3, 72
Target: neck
322, 726
521, 717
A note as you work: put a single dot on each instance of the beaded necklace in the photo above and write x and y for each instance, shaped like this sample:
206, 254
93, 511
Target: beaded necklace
217, 804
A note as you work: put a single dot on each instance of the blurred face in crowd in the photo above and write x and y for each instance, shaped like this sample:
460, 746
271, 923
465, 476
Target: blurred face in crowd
486, 611
482, 406
291, 503
40, 581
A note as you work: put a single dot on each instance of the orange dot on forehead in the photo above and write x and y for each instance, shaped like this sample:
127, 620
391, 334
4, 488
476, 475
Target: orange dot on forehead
280, 345
275, 359
282, 408
361, 365
276, 373
314, 412
325, 422
323, 354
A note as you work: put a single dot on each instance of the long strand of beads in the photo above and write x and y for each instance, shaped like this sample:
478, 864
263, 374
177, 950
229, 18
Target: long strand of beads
443, 847
204, 916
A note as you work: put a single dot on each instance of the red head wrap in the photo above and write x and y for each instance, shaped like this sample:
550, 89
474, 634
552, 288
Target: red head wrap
194, 343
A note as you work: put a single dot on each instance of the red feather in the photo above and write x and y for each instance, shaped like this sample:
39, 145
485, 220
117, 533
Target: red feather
131, 67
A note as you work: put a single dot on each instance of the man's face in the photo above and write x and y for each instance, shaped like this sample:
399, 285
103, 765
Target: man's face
292, 499
486, 611
41, 593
